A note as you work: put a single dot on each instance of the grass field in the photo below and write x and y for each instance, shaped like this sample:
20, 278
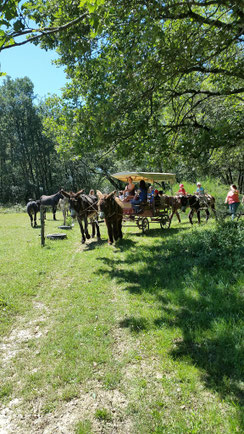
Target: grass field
142, 337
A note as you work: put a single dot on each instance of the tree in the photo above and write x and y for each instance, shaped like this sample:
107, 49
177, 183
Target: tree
145, 74
26, 154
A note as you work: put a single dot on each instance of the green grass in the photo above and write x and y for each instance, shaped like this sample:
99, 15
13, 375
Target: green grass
146, 334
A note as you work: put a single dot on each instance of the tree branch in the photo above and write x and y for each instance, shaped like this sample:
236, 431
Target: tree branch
46, 31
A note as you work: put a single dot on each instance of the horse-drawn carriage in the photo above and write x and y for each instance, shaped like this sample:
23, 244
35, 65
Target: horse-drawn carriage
152, 211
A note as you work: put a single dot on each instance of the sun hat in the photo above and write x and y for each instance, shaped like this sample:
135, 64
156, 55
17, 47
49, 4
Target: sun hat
181, 185
199, 183
156, 191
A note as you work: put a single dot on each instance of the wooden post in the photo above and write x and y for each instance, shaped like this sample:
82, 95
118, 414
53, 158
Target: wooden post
42, 226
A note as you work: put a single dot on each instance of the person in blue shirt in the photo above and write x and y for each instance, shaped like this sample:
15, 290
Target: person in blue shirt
141, 197
200, 189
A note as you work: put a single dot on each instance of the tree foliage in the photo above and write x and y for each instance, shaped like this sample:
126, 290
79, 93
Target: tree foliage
155, 80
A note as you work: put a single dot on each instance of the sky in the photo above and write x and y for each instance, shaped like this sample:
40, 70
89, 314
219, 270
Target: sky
35, 63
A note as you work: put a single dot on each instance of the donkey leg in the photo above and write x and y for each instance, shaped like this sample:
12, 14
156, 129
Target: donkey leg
199, 217
86, 228
178, 216
35, 224
120, 229
83, 238
54, 212
31, 220
171, 217
207, 214
98, 230
93, 228
110, 232
190, 215
115, 229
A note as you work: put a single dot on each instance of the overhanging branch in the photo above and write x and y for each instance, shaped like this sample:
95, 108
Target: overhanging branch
46, 31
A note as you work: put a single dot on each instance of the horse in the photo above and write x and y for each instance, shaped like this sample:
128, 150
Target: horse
51, 201
198, 203
112, 212
32, 208
85, 206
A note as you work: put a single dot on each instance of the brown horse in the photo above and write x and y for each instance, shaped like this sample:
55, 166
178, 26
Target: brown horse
85, 206
112, 212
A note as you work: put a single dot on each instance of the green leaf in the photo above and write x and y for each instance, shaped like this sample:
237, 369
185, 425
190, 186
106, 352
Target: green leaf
18, 26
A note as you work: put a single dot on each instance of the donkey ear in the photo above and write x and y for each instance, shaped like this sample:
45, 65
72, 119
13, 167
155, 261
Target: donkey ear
99, 194
78, 193
64, 193
112, 194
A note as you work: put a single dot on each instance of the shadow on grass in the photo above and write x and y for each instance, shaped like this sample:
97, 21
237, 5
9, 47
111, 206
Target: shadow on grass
134, 324
124, 244
155, 231
194, 277
93, 244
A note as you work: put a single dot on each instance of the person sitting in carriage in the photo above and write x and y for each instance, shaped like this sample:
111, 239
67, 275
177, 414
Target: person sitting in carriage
140, 198
121, 195
150, 193
129, 191
156, 199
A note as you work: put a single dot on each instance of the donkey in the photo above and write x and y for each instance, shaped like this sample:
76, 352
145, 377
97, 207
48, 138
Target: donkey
172, 202
51, 201
112, 212
32, 208
84, 206
198, 203
63, 205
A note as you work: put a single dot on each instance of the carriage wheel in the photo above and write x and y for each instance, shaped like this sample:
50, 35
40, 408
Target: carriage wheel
144, 225
165, 222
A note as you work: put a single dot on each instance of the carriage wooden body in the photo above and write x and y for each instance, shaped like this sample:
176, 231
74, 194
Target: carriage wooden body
150, 212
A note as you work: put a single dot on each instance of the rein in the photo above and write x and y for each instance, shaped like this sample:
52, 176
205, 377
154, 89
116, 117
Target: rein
90, 206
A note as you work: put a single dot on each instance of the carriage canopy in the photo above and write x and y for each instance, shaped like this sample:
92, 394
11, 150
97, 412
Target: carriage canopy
150, 177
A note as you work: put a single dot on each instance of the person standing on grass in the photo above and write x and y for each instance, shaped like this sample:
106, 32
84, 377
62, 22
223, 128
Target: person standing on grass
233, 200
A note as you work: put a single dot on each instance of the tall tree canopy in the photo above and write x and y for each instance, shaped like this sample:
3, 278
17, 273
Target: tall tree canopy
151, 78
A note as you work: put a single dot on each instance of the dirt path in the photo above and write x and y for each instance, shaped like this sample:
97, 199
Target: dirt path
15, 417
28, 418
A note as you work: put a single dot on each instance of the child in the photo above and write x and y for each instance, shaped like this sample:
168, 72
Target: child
181, 191
121, 195
200, 189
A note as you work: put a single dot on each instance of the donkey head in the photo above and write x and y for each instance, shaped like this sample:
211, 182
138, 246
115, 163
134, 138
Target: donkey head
106, 204
73, 199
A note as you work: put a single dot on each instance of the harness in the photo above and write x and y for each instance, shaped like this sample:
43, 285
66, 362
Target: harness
90, 206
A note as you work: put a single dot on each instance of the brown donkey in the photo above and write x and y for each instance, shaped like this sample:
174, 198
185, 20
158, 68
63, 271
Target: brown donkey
85, 206
112, 213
